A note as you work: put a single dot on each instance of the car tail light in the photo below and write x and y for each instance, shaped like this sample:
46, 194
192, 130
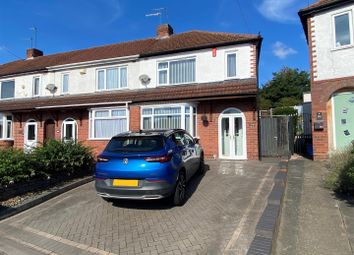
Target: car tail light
101, 159
161, 159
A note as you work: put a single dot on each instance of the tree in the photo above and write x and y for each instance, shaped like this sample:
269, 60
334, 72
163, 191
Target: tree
285, 89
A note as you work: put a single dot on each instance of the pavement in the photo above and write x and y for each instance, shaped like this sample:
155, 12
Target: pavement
220, 217
314, 220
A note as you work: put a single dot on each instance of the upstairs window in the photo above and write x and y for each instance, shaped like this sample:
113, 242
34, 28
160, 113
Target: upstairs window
112, 78
176, 72
36, 86
230, 65
343, 29
5, 126
65, 83
7, 89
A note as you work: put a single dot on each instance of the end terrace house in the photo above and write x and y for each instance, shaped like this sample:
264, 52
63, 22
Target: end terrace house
204, 82
329, 28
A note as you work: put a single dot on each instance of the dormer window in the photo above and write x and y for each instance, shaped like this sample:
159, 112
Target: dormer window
343, 29
112, 78
176, 72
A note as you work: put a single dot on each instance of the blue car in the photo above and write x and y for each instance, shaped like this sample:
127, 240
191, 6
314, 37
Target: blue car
150, 164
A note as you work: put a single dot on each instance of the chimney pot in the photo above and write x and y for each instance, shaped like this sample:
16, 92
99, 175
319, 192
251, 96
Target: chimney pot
164, 31
33, 53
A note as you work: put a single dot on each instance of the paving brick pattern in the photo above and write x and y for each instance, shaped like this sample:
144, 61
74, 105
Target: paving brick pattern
81, 221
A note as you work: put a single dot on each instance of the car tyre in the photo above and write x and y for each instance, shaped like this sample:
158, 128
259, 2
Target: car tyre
179, 196
107, 199
201, 169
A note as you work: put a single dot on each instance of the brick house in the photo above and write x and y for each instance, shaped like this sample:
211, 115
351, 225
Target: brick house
329, 28
204, 82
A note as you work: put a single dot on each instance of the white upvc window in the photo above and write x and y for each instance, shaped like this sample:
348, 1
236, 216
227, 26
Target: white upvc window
108, 122
69, 130
343, 29
112, 78
182, 116
7, 89
6, 125
174, 72
36, 86
65, 83
231, 65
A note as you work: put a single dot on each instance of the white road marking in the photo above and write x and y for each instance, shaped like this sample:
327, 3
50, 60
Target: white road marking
243, 220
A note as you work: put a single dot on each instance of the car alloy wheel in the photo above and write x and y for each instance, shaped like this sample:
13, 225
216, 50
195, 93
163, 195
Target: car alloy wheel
180, 192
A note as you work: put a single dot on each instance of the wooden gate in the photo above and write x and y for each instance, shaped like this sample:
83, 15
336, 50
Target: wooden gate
276, 135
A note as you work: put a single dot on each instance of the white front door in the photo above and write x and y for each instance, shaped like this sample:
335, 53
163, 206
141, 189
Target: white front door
30, 135
232, 137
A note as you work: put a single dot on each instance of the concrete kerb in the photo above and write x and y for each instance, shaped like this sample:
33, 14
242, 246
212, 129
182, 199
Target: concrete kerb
12, 211
267, 227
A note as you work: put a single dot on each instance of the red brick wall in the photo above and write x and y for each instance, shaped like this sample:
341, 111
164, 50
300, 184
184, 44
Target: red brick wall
208, 134
134, 122
321, 94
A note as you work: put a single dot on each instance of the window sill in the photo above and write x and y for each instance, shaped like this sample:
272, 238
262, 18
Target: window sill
175, 84
99, 139
343, 47
6, 140
230, 78
107, 90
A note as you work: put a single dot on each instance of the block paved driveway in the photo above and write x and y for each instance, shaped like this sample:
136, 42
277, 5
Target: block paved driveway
219, 217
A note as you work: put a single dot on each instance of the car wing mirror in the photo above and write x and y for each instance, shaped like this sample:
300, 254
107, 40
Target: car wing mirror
196, 140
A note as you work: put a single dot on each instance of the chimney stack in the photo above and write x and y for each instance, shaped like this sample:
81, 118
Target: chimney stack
164, 31
33, 53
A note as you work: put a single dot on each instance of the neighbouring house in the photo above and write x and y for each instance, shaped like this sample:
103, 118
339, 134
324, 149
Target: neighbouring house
204, 82
329, 29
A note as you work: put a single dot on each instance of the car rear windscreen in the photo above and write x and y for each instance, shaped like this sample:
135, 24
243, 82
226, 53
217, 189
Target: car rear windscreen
135, 144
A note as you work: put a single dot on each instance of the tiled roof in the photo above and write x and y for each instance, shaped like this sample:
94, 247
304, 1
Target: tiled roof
322, 3
146, 47
245, 87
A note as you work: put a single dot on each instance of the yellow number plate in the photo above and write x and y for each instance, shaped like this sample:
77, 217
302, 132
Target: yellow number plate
125, 183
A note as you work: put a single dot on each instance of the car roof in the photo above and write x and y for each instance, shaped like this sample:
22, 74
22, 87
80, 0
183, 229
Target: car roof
150, 132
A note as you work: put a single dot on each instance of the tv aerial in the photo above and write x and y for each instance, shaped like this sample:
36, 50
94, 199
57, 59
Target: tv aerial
158, 12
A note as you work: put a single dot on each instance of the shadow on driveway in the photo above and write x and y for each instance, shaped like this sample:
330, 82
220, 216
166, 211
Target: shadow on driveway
161, 204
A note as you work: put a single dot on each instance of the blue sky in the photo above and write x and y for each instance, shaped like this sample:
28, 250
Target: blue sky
65, 25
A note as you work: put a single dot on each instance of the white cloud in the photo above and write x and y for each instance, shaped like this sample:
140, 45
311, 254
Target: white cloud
282, 51
284, 11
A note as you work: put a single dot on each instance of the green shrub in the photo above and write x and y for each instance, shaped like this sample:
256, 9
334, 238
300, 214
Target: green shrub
285, 110
15, 166
63, 157
341, 171
67, 158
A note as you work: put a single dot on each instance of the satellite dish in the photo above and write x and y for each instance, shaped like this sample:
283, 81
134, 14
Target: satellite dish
52, 88
144, 79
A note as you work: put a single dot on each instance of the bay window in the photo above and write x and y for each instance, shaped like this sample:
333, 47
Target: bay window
5, 126
7, 89
176, 72
112, 78
169, 116
106, 123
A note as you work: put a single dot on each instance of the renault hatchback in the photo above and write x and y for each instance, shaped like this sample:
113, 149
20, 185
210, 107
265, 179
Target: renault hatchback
150, 164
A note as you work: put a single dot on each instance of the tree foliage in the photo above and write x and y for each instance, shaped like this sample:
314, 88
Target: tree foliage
285, 89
